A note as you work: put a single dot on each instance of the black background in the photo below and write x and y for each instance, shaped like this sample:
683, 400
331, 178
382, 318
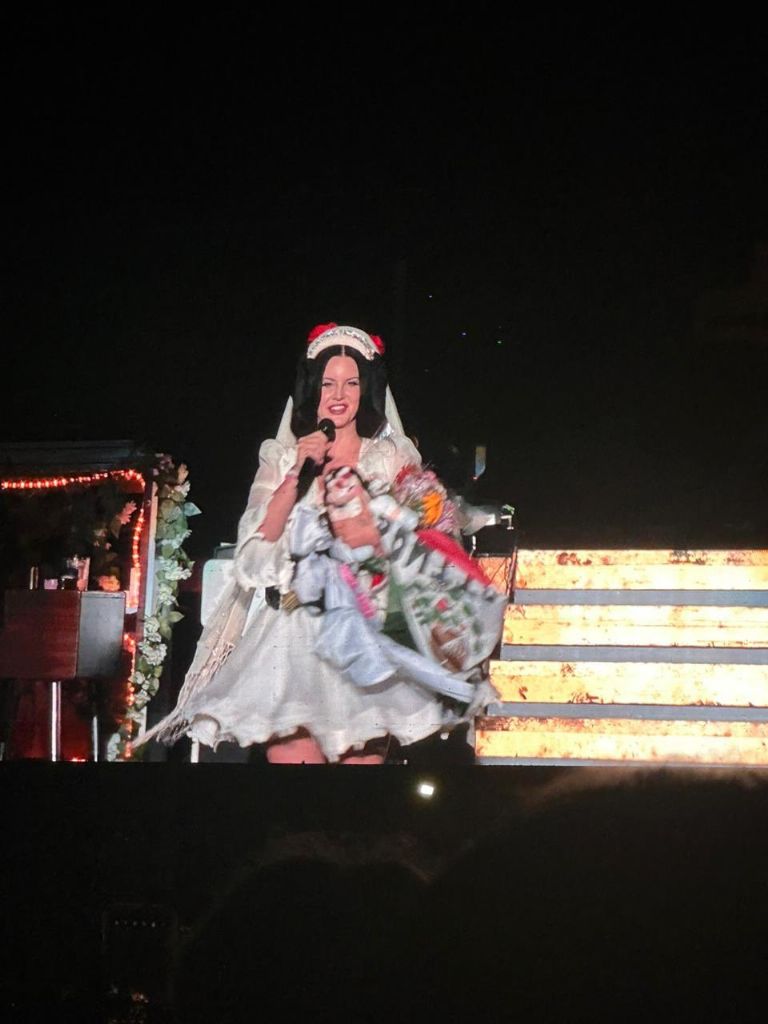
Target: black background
527, 210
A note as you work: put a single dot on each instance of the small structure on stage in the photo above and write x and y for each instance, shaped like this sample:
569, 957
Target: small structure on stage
84, 620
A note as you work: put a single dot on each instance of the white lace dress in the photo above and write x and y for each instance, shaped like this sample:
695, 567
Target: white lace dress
272, 682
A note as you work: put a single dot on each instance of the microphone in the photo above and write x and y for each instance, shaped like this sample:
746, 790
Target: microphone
328, 427
311, 469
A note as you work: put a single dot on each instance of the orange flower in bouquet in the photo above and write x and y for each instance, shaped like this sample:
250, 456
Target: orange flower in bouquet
421, 490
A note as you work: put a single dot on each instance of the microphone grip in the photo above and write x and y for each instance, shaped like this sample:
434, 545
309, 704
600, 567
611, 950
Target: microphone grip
307, 474
310, 469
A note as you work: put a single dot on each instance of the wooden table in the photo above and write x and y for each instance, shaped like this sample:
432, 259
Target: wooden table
55, 635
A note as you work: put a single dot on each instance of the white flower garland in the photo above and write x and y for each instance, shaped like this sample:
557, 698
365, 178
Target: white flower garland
172, 565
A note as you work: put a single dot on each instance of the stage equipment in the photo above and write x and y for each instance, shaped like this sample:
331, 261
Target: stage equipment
68, 633
55, 635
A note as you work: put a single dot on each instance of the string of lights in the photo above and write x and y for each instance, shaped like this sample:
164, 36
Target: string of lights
52, 482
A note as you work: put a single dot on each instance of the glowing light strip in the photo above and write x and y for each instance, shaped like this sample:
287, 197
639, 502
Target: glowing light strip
610, 682
635, 569
138, 528
129, 644
659, 742
637, 625
129, 640
52, 482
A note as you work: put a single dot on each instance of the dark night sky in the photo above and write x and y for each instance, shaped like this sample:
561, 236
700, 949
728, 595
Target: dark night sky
527, 213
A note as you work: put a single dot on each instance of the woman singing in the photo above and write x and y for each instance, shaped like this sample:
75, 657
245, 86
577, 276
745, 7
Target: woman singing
335, 634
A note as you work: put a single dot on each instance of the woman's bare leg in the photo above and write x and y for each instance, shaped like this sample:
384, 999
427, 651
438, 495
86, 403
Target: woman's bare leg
374, 752
297, 749
362, 759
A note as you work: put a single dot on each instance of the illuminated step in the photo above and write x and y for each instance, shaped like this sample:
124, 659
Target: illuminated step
637, 625
555, 569
595, 741
614, 656
672, 655
717, 598
563, 682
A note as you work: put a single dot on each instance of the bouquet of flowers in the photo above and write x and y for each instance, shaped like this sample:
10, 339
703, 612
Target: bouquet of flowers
420, 490
400, 593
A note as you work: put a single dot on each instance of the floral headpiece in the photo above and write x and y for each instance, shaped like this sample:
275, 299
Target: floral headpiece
325, 335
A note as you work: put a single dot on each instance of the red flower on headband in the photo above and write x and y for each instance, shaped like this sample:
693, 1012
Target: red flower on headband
317, 331
378, 343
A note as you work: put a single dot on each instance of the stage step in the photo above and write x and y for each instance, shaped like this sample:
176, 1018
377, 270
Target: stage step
611, 656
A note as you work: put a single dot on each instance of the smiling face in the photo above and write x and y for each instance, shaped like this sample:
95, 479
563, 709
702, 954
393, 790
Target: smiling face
339, 392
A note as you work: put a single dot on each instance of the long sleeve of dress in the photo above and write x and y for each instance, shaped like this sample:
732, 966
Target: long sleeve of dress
258, 562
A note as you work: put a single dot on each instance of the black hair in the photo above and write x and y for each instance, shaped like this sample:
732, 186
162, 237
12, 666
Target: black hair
306, 393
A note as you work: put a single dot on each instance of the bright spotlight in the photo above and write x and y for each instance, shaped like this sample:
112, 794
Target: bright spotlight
426, 789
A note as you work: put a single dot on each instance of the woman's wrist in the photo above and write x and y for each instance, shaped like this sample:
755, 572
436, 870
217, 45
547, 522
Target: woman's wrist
288, 488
